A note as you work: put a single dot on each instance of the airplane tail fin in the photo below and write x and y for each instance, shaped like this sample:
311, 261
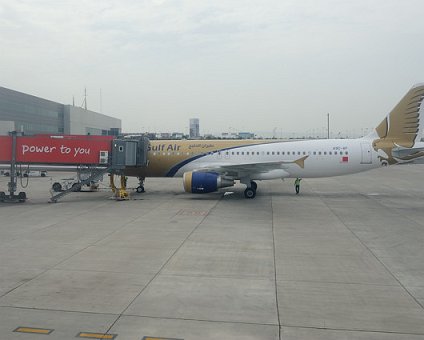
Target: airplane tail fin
396, 138
402, 125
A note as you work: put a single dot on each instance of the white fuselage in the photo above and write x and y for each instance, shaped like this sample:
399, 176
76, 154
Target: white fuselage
325, 158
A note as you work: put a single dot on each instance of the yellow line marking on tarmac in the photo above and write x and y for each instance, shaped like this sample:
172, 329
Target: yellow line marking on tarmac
96, 335
33, 330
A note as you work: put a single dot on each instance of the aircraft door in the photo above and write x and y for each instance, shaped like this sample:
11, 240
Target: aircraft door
366, 153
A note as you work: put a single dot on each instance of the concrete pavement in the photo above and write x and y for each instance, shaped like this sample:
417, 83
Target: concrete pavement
341, 260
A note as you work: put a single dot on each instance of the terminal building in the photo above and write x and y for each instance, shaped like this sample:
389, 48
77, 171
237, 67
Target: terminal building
33, 115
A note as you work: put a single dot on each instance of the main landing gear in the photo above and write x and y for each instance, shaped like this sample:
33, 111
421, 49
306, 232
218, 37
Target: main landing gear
250, 191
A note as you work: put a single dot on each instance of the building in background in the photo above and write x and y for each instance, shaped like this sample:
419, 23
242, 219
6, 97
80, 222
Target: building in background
33, 115
229, 135
194, 128
246, 135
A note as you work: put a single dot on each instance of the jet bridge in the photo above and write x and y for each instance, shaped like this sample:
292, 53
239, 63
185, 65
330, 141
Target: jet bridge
129, 152
100, 154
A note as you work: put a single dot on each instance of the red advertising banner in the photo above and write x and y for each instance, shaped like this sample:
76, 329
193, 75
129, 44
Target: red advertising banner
5, 149
46, 149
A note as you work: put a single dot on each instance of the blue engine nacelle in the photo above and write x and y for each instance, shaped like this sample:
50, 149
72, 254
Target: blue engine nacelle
198, 182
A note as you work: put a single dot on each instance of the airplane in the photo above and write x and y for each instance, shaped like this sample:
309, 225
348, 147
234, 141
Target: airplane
208, 165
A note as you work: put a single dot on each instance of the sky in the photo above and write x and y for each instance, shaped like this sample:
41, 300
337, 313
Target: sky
269, 66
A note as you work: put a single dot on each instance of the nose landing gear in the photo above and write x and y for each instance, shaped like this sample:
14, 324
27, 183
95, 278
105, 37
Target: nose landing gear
140, 188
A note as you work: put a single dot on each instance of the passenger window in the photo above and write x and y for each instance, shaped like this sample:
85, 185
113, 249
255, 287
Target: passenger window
315, 152
319, 153
325, 152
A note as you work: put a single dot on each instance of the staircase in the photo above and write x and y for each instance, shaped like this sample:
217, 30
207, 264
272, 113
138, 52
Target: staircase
95, 175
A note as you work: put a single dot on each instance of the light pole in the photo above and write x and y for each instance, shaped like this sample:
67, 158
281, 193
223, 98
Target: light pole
328, 126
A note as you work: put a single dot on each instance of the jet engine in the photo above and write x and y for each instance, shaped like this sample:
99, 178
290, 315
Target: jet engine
198, 182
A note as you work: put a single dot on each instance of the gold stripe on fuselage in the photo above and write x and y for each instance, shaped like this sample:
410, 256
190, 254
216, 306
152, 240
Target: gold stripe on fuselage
165, 155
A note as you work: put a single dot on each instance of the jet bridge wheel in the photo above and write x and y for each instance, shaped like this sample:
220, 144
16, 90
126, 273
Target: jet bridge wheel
250, 193
22, 197
140, 189
254, 185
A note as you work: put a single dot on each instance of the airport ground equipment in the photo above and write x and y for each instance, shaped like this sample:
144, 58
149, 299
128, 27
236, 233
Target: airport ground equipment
92, 157
83, 173
77, 186
120, 194
64, 184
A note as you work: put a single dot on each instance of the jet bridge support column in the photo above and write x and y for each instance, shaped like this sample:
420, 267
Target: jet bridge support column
12, 185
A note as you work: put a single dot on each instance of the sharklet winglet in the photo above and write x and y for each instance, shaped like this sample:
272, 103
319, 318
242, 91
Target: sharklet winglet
301, 161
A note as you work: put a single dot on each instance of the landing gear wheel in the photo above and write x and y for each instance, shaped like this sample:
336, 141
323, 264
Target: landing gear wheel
253, 185
250, 193
140, 188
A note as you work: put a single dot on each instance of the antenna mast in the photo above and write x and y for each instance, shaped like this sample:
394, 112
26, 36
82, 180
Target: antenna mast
84, 103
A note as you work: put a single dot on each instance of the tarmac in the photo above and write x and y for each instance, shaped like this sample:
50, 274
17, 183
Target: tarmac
341, 260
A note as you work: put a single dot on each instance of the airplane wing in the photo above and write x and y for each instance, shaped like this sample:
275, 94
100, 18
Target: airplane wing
240, 170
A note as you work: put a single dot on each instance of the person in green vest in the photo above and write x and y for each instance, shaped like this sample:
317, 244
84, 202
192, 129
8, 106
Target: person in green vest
297, 185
